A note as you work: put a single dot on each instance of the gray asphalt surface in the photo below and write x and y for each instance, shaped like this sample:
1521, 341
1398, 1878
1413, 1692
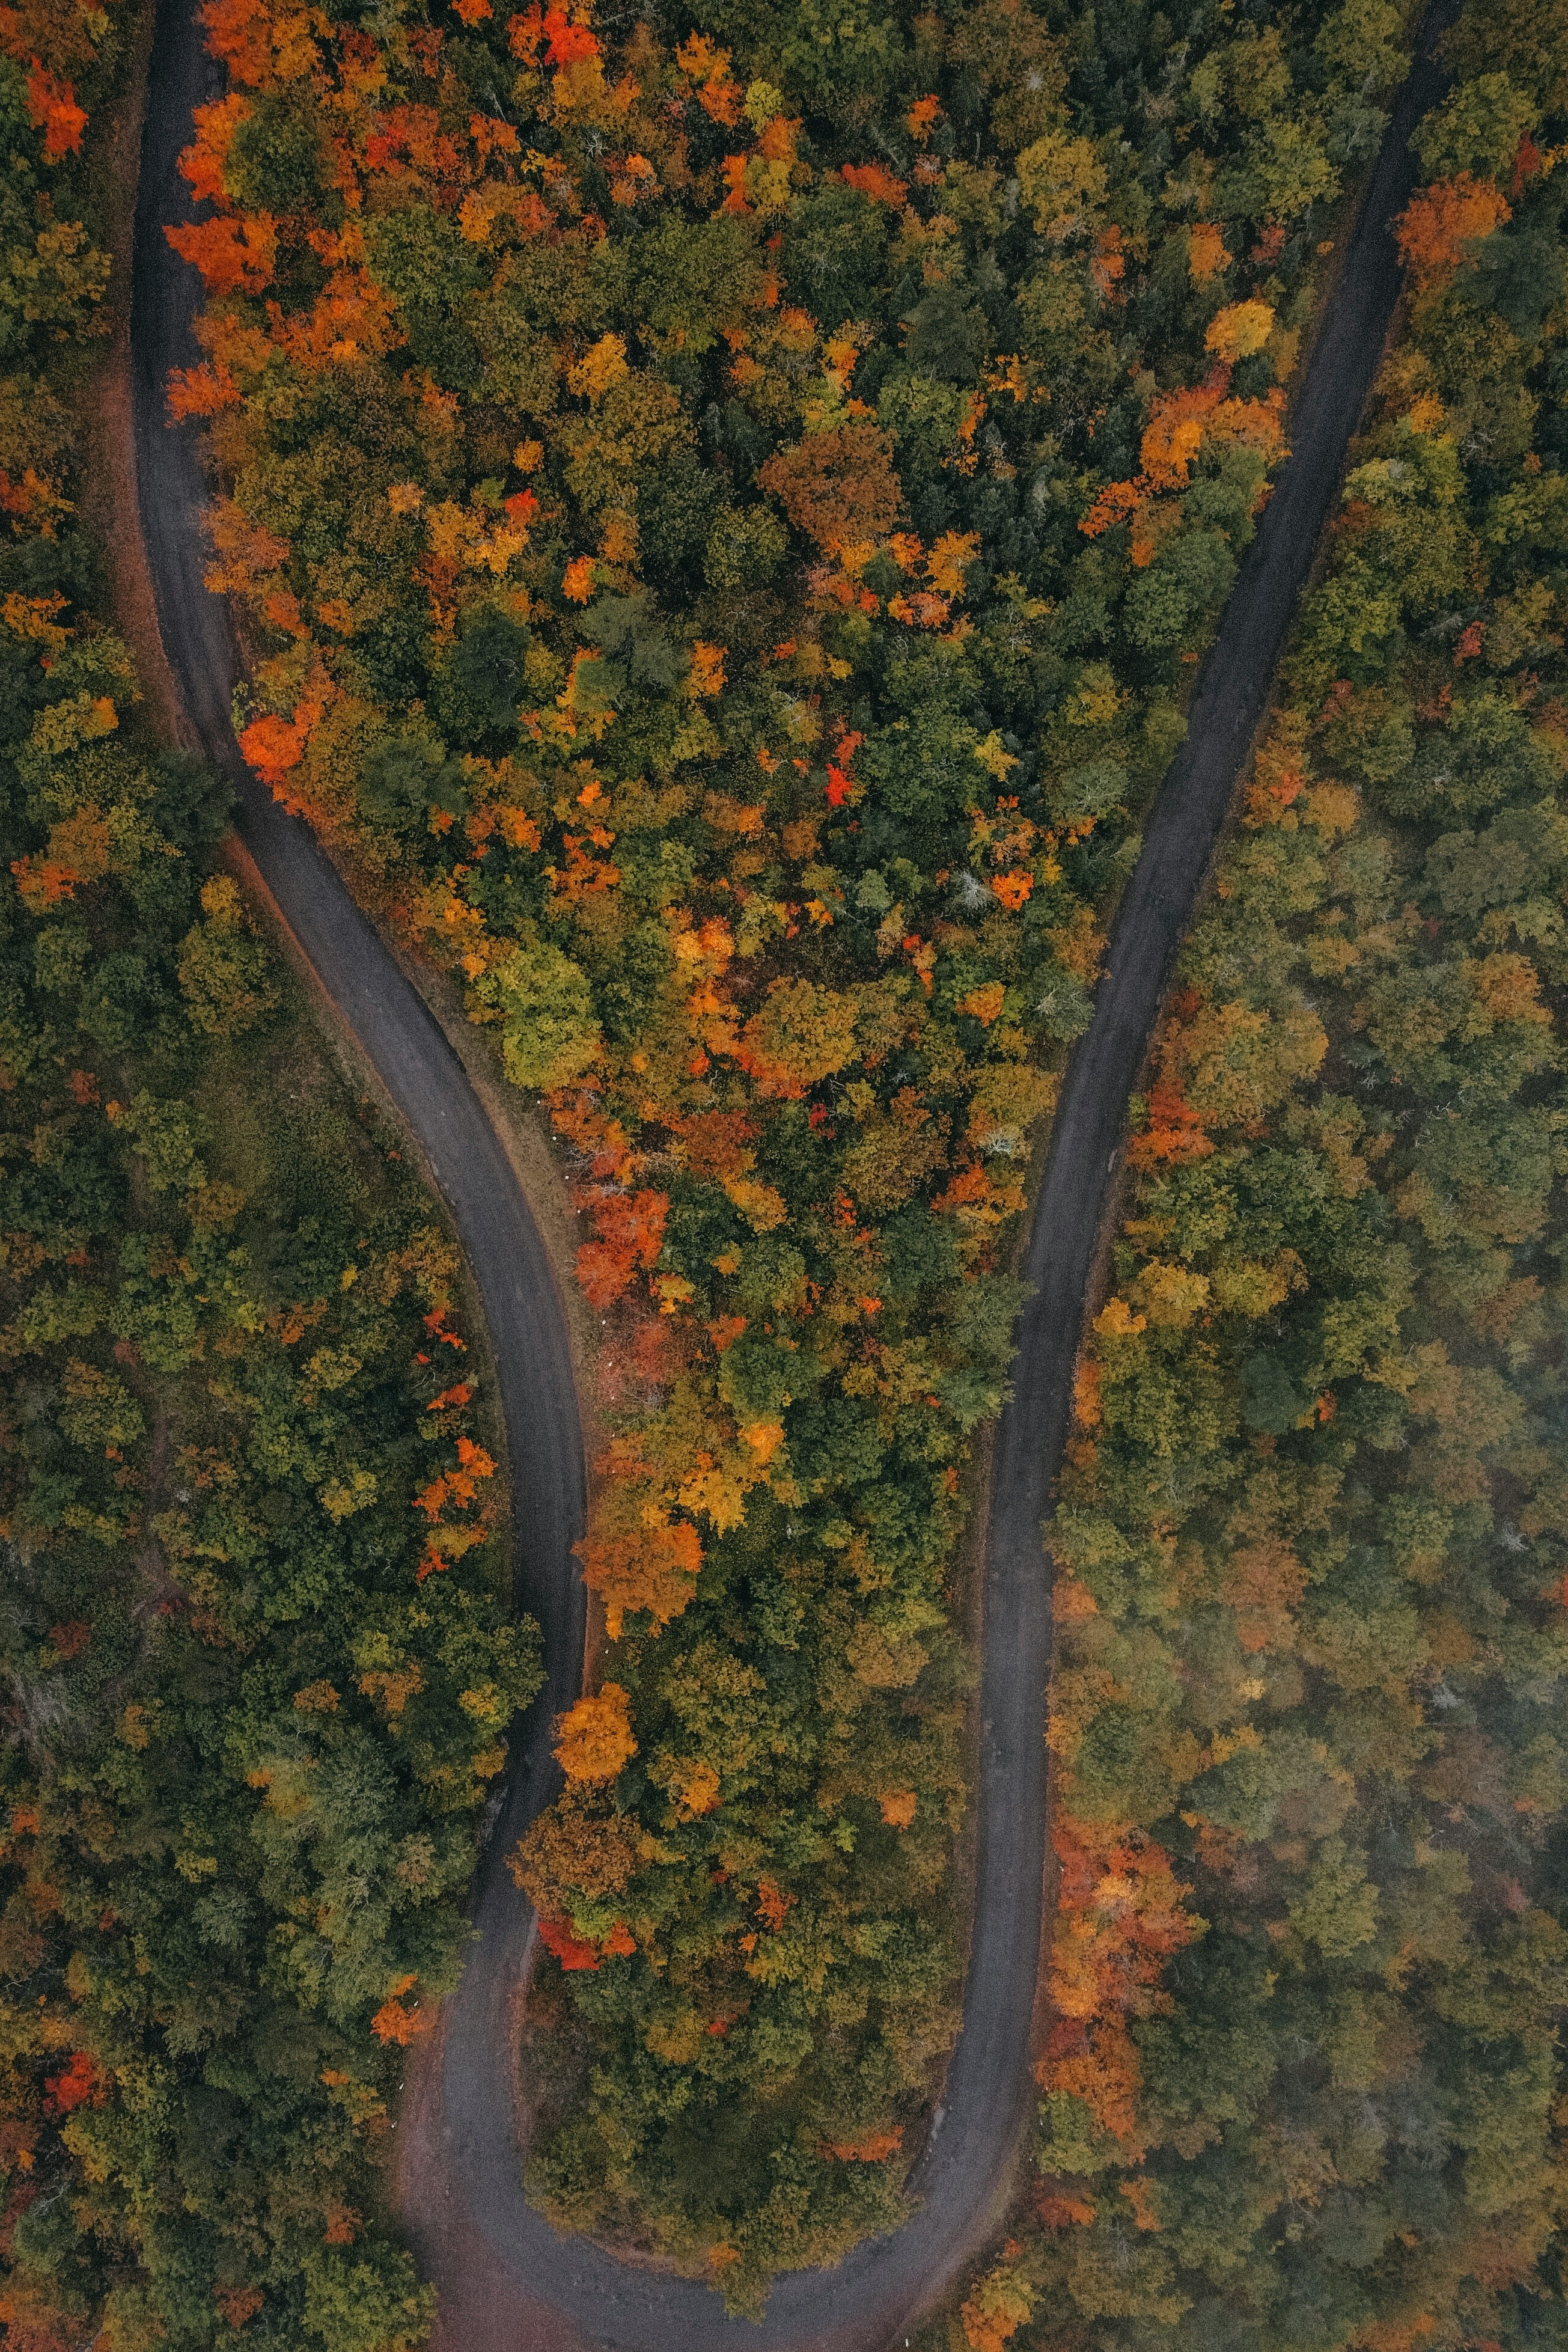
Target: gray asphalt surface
508, 2282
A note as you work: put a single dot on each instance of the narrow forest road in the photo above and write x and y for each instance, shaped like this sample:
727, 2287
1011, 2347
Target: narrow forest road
508, 2283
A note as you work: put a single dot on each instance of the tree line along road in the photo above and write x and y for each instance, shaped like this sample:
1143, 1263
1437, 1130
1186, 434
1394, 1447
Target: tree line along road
508, 2282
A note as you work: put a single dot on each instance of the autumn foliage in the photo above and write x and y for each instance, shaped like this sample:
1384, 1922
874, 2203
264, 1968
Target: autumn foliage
594, 1738
722, 553
1300, 1815
837, 487
53, 109
1441, 220
276, 1672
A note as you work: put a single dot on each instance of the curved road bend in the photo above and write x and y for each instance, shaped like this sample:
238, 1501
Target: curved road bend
508, 2282
398, 1035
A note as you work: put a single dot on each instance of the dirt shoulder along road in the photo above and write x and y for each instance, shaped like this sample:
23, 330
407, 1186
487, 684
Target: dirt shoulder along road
508, 2282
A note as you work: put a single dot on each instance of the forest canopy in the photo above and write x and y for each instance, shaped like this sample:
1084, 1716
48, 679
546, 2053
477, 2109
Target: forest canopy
1304, 2084
726, 513
258, 1664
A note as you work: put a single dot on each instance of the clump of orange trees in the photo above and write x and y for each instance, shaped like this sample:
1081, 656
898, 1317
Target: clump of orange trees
258, 1671
724, 515
1304, 2084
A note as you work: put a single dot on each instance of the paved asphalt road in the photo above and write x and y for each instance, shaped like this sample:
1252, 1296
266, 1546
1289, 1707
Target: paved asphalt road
508, 2282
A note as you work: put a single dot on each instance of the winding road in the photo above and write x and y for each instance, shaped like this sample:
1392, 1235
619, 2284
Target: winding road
508, 2282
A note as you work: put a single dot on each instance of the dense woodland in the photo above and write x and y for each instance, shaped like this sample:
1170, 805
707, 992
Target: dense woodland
1305, 2089
724, 514
254, 1651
